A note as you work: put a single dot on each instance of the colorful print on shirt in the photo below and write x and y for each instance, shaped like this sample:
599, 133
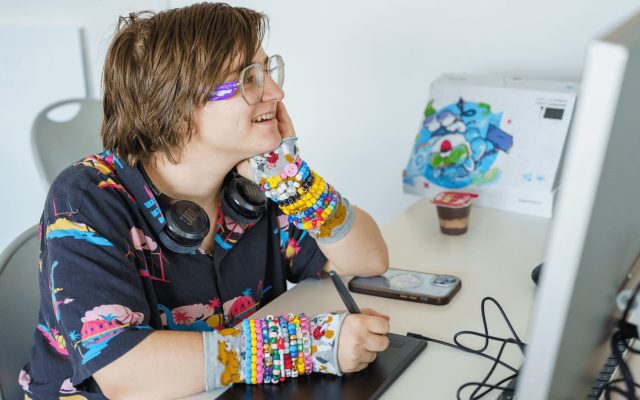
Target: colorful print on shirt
107, 282
102, 324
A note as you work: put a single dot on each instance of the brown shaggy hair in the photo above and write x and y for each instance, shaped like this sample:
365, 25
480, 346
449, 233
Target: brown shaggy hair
161, 67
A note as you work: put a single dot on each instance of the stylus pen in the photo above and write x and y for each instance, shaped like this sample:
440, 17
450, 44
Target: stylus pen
344, 294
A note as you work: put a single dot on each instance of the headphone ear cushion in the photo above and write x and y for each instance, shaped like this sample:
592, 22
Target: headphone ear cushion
187, 224
175, 246
227, 209
242, 200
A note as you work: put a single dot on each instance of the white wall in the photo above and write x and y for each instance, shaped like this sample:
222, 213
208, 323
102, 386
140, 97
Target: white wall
358, 72
23, 91
41, 63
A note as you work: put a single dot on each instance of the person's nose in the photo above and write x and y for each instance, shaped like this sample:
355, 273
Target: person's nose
272, 92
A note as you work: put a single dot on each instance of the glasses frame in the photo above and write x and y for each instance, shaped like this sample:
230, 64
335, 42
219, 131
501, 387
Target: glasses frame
227, 89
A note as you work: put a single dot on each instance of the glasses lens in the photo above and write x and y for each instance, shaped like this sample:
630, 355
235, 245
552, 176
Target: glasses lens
252, 83
275, 66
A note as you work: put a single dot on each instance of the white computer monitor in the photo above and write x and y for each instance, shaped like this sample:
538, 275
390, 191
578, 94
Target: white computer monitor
594, 236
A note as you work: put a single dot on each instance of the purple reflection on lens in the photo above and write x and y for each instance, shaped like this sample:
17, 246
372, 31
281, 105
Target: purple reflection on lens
224, 91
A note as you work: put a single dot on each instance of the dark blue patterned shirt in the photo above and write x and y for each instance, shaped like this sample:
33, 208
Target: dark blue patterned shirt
106, 281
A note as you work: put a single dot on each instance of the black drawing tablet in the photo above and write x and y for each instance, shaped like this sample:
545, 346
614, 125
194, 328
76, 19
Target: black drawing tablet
369, 383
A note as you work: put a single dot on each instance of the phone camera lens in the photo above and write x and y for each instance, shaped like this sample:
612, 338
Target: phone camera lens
444, 280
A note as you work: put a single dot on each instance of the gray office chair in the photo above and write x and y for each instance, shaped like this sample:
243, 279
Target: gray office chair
59, 144
19, 305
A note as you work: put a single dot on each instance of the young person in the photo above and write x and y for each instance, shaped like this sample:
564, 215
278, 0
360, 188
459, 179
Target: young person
155, 252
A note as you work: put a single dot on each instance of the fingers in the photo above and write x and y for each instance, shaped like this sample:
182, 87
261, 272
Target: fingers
285, 126
281, 113
360, 367
244, 169
376, 343
367, 357
377, 325
369, 311
361, 338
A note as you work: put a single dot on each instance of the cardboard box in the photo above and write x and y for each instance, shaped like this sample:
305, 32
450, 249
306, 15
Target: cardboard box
501, 138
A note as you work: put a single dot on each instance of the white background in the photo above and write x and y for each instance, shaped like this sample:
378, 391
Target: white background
357, 75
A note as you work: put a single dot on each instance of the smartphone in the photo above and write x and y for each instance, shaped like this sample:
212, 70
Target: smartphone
409, 285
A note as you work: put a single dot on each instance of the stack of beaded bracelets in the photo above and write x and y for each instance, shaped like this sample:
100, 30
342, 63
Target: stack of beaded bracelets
301, 194
276, 348
287, 185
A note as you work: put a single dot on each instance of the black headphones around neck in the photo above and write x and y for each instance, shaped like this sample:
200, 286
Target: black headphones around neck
187, 224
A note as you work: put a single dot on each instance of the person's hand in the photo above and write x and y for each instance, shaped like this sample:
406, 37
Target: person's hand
244, 169
361, 338
285, 126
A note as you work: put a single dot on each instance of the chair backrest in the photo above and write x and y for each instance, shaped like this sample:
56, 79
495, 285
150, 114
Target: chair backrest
58, 144
19, 305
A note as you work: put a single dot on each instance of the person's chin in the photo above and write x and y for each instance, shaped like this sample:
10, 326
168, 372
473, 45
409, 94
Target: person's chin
269, 140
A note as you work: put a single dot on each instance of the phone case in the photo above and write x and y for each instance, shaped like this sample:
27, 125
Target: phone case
401, 284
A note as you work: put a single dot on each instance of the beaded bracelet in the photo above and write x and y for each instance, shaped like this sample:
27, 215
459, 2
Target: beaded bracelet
324, 199
296, 321
286, 362
275, 354
254, 352
306, 341
260, 352
300, 193
279, 185
281, 353
291, 172
308, 198
248, 355
275, 348
268, 362
293, 345
304, 197
283, 189
318, 212
300, 190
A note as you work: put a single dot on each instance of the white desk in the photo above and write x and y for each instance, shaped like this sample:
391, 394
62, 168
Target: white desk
494, 258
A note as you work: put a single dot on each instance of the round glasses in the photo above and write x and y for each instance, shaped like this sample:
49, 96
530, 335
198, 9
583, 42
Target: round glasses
251, 81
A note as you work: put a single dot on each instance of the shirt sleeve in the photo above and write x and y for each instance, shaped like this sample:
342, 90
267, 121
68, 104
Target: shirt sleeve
302, 256
92, 295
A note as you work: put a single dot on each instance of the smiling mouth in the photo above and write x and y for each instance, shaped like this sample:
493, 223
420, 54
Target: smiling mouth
264, 117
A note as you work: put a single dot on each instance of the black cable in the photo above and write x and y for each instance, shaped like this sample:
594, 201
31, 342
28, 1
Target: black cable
616, 338
624, 331
486, 329
633, 349
474, 394
429, 339
627, 378
607, 388
497, 385
489, 386
614, 389
496, 360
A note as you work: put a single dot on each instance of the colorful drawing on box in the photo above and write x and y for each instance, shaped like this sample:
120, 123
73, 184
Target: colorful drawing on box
458, 146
